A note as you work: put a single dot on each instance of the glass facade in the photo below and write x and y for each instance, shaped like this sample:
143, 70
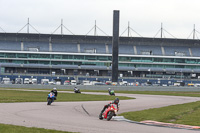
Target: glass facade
50, 58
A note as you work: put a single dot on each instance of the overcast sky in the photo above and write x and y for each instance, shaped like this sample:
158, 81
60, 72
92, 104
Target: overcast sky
145, 16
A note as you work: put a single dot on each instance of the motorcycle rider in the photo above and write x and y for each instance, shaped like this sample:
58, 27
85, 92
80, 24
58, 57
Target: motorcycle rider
54, 91
116, 102
76, 90
111, 92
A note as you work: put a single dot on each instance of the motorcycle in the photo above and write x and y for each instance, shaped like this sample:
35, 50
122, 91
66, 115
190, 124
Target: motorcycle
109, 112
77, 90
50, 98
111, 92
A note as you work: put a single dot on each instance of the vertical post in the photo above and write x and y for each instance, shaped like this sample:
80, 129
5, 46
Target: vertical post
194, 32
22, 46
50, 45
95, 29
28, 26
128, 29
61, 26
161, 30
115, 46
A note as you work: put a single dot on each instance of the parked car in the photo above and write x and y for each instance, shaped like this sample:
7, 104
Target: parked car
164, 85
100, 83
67, 82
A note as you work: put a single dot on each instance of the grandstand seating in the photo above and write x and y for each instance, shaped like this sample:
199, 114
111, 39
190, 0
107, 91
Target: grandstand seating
10, 64
85, 54
155, 50
196, 70
65, 66
186, 70
181, 51
126, 49
99, 48
41, 46
93, 67
64, 47
10, 45
35, 65
173, 70
142, 69
178, 70
156, 69
123, 68
195, 51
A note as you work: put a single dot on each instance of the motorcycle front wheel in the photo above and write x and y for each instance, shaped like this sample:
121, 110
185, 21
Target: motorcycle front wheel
48, 101
110, 115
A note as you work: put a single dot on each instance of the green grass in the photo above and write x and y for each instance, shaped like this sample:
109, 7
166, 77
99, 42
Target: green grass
169, 93
188, 114
20, 129
7, 96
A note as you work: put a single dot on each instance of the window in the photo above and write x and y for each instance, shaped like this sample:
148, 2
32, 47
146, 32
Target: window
22, 55
10, 55
57, 56
102, 58
179, 60
90, 57
33, 56
2, 55
79, 57
168, 60
45, 56
158, 60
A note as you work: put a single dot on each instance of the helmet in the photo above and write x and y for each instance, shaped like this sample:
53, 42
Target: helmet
116, 101
54, 89
108, 88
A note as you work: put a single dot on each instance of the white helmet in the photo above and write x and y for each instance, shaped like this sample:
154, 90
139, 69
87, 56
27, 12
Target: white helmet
54, 89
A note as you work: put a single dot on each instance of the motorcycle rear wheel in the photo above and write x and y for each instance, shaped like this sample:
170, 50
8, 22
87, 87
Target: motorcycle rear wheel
100, 116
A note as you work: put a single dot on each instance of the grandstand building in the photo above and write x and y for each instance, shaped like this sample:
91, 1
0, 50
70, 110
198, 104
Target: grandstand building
78, 55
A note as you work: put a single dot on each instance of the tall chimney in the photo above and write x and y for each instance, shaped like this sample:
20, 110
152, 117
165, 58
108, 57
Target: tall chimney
115, 46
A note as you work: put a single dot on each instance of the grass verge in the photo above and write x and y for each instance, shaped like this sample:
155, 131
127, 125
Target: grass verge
20, 129
7, 96
169, 93
188, 114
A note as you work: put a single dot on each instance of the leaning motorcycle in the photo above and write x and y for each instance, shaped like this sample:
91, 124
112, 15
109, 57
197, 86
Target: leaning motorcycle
109, 112
111, 92
77, 90
50, 98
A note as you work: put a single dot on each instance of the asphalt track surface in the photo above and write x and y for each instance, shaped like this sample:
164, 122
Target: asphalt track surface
83, 116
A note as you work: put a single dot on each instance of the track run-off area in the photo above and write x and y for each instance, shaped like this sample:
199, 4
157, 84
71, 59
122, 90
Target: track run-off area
83, 116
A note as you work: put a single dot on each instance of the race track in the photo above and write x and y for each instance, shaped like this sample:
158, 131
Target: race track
83, 116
